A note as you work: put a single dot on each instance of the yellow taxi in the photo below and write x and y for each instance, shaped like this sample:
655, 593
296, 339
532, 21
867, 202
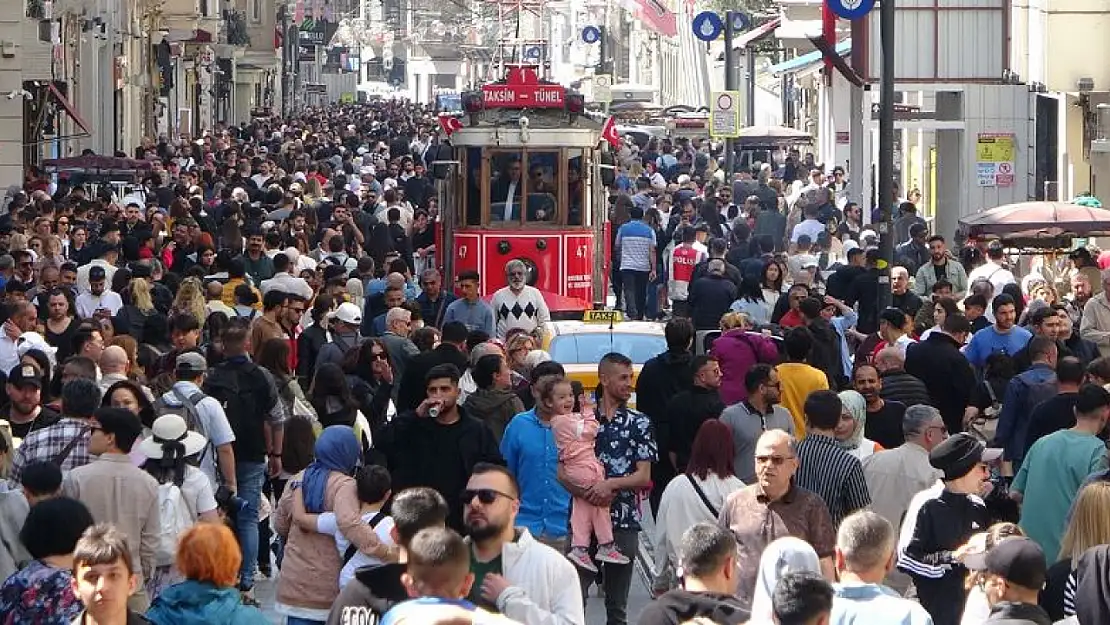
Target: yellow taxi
579, 345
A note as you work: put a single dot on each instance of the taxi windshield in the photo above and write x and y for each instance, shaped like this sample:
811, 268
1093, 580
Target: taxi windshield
589, 347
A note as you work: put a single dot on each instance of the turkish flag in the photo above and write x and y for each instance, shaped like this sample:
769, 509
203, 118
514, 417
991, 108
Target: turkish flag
609, 133
449, 124
657, 17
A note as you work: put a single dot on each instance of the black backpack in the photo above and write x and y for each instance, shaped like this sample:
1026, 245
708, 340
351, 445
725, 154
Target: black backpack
241, 387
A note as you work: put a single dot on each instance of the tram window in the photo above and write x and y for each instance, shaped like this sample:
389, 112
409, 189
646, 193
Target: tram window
506, 189
473, 187
543, 186
576, 190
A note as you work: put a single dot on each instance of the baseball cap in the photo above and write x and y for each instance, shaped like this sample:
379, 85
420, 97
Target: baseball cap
24, 374
191, 363
347, 313
1016, 559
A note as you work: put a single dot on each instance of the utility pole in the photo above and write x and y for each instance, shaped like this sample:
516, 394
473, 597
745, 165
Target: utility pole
886, 152
730, 85
751, 85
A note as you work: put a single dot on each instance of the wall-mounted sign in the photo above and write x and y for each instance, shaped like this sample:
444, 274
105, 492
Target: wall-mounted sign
851, 9
707, 25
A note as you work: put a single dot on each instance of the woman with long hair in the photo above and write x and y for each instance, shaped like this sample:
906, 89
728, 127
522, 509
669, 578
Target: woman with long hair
750, 300
130, 396
736, 350
172, 451
1088, 527
190, 299
771, 281
709, 474
942, 308
331, 397
370, 376
131, 347
208, 558
138, 312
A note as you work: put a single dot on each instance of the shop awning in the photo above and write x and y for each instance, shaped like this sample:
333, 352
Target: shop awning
68, 107
810, 58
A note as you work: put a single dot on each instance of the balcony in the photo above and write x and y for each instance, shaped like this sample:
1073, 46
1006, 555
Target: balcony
235, 28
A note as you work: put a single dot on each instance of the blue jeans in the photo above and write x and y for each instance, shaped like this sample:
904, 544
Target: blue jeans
250, 477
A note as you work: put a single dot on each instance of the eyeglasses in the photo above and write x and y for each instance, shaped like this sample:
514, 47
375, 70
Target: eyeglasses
63, 223
378, 355
485, 496
777, 461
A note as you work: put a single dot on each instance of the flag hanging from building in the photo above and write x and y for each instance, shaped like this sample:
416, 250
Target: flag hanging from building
656, 16
298, 12
449, 124
610, 134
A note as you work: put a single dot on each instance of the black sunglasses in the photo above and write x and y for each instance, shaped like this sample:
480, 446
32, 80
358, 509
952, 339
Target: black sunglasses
485, 496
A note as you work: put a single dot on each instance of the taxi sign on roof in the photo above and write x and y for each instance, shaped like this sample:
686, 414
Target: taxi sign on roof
602, 316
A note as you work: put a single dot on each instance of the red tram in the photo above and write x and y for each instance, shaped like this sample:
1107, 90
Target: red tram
522, 179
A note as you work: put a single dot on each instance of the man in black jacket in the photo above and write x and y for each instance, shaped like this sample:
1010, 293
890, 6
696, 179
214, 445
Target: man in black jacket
438, 443
709, 566
897, 385
451, 350
660, 379
826, 354
376, 589
687, 411
948, 376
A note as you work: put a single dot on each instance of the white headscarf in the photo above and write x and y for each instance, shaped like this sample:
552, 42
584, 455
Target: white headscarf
785, 555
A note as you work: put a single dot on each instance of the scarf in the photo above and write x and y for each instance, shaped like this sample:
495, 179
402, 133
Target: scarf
336, 450
855, 405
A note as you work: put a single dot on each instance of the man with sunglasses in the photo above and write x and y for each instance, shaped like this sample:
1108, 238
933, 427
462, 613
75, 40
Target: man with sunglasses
774, 507
514, 573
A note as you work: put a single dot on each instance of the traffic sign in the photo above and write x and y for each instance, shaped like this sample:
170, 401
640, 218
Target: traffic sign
740, 21
851, 9
603, 88
707, 25
591, 34
724, 114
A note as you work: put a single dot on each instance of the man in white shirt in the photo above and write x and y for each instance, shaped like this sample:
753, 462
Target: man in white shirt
992, 270
99, 298
24, 318
106, 256
810, 226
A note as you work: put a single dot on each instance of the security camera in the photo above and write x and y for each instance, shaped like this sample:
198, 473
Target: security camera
524, 122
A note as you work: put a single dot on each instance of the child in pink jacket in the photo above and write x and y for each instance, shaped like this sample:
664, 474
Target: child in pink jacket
575, 434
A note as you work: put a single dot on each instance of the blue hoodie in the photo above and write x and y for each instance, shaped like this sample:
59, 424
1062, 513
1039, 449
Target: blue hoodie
202, 603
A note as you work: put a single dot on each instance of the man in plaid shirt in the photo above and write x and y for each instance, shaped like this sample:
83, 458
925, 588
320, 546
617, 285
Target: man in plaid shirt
66, 443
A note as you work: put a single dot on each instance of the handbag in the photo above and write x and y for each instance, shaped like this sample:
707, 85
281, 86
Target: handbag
985, 427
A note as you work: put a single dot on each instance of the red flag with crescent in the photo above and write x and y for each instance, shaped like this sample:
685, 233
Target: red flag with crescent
610, 134
449, 124
657, 17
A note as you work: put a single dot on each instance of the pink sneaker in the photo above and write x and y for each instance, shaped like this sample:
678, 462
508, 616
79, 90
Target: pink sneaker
581, 558
610, 555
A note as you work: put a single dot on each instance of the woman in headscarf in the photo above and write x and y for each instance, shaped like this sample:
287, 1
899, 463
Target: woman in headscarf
783, 556
309, 580
849, 431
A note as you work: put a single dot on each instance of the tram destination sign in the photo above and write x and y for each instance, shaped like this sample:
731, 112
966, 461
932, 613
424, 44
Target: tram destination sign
523, 96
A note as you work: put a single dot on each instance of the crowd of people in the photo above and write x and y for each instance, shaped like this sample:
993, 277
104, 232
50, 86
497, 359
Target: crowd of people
250, 366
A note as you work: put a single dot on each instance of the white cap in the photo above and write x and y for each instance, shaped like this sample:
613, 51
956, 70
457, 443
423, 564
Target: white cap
683, 179
347, 313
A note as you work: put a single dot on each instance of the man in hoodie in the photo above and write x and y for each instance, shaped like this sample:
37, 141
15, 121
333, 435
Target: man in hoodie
660, 379
1015, 573
709, 562
494, 403
344, 324
375, 589
826, 354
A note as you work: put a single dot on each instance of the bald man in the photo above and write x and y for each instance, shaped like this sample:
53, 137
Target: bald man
214, 290
114, 365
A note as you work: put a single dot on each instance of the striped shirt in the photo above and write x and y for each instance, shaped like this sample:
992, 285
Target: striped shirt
834, 474
635, 240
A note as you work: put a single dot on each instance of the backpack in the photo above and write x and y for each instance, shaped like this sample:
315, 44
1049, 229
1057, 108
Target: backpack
175, 518
237, 387
191, 416
351, 548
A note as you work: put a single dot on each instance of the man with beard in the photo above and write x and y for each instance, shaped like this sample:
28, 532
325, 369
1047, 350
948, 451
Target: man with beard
688, 410
514, 574
376, 589
884, 418
518, 305
25, 412
438, 444
258, 265
940, 268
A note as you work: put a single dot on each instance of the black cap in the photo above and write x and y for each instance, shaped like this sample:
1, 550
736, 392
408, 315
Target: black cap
958, 455
24, 375
140, 270
97, 273
1017, 560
